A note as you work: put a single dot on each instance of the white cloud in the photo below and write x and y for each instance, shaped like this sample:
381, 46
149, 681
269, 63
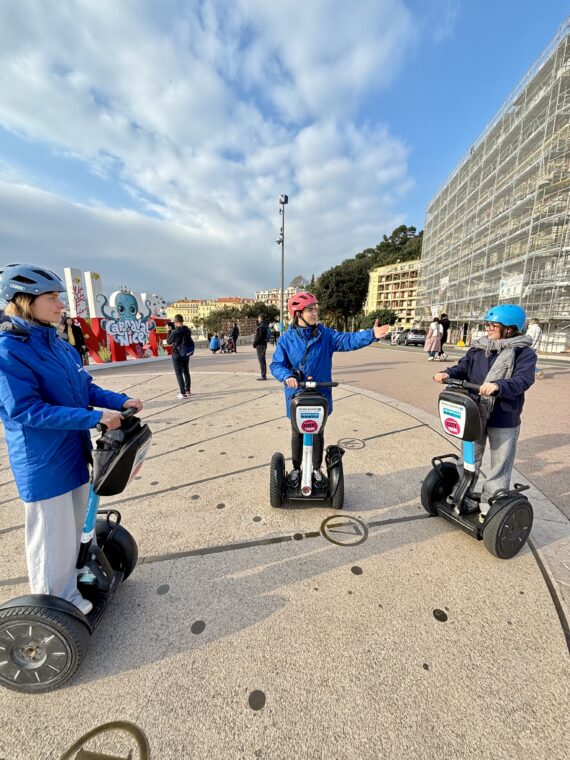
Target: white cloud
205, 112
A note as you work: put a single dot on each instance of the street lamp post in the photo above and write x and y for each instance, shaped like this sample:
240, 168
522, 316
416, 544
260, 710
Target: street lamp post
283, 200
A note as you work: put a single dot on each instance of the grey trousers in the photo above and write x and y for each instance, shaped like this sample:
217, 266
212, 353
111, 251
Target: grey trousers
53, 534
503, 448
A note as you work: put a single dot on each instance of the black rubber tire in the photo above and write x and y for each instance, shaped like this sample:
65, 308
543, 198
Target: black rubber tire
437, 486
337, 498
121, 550
508, 530
277, 480
59, 642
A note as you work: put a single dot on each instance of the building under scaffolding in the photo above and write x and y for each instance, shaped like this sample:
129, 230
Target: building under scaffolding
498, 231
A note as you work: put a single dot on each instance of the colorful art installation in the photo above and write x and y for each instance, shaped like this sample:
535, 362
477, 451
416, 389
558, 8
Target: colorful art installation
124, 324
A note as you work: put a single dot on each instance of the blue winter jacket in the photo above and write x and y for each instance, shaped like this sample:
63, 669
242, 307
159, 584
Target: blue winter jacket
474, 367
291, 354
44, 398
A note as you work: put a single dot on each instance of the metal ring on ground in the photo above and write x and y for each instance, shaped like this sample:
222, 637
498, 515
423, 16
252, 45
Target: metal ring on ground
356, 528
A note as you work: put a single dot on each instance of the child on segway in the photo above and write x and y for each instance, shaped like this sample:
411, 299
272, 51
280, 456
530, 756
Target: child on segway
305, 351
46, 400
503, 364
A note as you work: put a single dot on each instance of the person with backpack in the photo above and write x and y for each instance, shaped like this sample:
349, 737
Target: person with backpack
180, 337
305, 350
260, 344
46, 408
503, 364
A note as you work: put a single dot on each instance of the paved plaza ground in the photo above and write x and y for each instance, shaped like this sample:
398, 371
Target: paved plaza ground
245, 633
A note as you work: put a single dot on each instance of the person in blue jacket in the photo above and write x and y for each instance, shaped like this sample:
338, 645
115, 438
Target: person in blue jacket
305, 350
503, 364
46, 400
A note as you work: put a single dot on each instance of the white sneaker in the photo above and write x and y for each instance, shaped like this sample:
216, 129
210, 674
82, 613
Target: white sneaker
319, 478
430, 358
180, 396
85, 606
443, 357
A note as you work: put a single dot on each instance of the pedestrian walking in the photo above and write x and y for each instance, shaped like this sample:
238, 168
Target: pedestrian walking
503, 364
433, 339
46, 407
535, 333
235, 335
445, 323
260, 344
180, 337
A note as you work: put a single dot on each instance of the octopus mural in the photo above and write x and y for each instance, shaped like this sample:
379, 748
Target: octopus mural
124, 322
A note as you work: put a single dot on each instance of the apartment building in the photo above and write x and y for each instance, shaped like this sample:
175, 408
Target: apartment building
394, 287
498, 231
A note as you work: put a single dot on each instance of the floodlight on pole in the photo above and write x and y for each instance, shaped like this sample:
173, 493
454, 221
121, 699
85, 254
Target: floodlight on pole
283, 201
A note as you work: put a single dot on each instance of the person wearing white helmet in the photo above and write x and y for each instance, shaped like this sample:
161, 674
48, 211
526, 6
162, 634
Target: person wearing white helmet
503, 364
46, 407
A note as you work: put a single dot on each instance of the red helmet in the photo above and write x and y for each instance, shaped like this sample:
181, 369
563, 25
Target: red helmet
299, 301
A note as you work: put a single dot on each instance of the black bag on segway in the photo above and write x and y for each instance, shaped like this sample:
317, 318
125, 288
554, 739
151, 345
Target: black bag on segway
119, 455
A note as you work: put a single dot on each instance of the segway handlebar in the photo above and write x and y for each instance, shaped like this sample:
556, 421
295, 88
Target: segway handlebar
462, 384
315, 384
130, 411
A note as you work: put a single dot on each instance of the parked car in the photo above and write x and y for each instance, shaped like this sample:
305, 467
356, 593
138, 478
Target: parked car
413, 337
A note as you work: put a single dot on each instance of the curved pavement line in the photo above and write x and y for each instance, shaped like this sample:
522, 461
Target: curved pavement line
555, 527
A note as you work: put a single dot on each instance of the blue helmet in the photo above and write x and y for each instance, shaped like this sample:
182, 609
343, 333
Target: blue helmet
27, 278
508, 314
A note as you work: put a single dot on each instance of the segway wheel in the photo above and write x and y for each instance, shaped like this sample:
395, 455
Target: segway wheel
40, 648
120, 549
337, 489
437, 486
277, 480
508, 529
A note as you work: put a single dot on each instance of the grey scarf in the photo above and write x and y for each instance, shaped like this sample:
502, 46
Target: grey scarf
502, 367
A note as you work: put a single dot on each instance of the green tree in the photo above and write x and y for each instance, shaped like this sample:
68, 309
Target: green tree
341, 290
253, 310
384, 317
404, 244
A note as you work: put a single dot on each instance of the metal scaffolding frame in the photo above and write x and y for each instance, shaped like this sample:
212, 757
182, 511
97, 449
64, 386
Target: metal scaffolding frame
497, 231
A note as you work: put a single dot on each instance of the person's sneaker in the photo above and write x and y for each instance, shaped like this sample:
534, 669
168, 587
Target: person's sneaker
180, 396
293, 478
443, 357
430, 358
187, 394
85, 606
262, 378
319, 478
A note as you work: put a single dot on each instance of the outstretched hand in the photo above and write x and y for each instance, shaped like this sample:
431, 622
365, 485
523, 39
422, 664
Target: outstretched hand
380, 332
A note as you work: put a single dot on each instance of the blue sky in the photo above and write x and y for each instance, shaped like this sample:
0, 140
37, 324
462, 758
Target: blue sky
152, 146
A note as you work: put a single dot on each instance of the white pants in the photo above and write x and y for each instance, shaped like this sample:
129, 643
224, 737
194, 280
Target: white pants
53, 535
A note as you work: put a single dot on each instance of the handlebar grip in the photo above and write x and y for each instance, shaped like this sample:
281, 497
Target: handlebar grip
130, 411
316, 384
461, 384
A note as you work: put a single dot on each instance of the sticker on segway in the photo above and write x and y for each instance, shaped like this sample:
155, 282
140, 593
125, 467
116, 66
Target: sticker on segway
452, 417
124, 747
310, 418
343, 530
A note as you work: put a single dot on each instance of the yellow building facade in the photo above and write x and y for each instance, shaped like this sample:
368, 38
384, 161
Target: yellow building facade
394, 287
192, 309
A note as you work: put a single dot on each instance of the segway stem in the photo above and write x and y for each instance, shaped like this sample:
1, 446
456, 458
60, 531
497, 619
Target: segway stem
88, 528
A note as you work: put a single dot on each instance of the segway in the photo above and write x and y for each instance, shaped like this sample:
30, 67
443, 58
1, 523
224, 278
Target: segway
447, 490
309, 412
44, 639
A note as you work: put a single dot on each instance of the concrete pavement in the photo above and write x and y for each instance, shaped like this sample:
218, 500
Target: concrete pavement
244, 633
